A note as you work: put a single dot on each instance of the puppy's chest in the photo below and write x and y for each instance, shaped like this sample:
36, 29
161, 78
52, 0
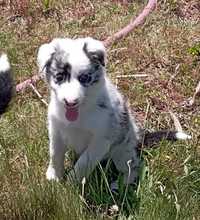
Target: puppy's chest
77, 139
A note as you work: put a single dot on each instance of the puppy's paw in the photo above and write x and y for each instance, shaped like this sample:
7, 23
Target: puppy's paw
51, 174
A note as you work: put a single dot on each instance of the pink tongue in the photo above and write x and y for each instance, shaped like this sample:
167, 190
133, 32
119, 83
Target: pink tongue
72, 114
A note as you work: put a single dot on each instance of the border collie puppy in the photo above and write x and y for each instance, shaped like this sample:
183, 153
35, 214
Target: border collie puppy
87, 113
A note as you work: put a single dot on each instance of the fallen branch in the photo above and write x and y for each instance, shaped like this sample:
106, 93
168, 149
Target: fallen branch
131, 76
140, 19
132, 25
21, 86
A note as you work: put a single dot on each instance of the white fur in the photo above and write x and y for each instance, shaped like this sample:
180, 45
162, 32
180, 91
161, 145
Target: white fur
4, 63
182, 136
105, 127
69, 92
93, 134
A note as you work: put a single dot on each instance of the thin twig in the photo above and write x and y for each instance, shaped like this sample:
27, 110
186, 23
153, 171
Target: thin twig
146, 113
128, 76
23, 85
117, 50
91, 4
177, 124
196, 93
38, 94
175, 74
84, 201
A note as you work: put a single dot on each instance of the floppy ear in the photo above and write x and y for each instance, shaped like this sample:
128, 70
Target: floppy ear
44, 55
46, 51
95, 51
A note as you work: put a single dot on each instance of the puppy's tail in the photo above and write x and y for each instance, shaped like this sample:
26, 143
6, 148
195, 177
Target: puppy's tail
6, 83
150, 139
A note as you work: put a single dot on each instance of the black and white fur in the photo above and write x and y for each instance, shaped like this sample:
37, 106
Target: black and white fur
86, 112
6, 84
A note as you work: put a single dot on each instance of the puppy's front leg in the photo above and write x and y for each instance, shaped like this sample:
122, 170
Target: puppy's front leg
57, 149
86, 163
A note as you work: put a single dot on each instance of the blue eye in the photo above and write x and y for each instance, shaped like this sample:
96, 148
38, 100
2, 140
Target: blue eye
85, 79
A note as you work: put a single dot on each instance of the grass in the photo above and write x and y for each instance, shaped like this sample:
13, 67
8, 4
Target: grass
170, 176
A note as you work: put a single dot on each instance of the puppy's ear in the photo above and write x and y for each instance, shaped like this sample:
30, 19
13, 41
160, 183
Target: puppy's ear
46, 51
95, 51
44, 55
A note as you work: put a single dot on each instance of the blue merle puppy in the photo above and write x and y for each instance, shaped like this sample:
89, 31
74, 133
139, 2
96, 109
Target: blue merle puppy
87, 113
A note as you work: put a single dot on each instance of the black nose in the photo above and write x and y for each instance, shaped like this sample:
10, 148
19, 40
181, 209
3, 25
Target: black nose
71, 103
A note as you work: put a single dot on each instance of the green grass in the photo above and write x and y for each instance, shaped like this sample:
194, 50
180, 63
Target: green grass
170, 176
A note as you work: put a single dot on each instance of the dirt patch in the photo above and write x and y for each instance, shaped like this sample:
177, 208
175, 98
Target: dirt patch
78, 11
189, 10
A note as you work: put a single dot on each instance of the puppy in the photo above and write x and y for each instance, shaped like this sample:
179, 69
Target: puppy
86, 111
6, 84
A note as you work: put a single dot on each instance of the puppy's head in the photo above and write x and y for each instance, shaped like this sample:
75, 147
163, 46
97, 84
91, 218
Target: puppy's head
74, 69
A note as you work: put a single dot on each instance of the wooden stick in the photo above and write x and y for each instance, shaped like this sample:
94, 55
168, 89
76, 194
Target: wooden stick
132, 25
23, 85
38, 94
196, 93
129, 76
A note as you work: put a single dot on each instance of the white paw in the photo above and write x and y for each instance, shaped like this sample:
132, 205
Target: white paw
51, 174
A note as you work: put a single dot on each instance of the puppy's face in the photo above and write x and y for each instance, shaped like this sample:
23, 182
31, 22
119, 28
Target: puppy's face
73, 69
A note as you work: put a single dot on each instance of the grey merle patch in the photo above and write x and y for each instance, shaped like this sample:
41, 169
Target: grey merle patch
90, 76
60, 71
95, 57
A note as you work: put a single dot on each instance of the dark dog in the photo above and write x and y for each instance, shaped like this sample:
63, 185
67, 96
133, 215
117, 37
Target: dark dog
6, 83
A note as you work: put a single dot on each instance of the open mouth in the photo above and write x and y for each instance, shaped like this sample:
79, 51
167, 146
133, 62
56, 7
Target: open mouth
72, 112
